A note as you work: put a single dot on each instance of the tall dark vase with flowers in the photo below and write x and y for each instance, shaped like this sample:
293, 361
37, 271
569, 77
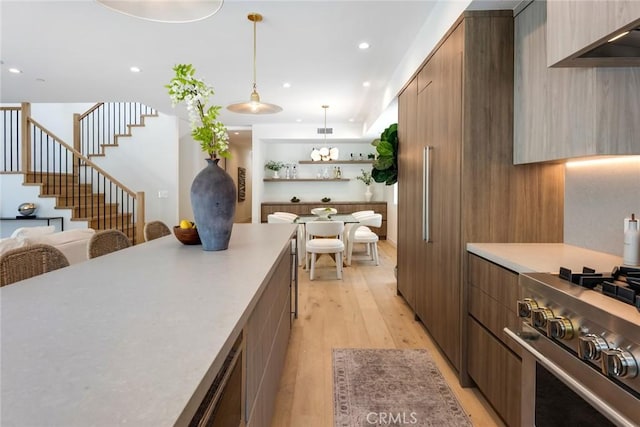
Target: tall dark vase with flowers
213, 192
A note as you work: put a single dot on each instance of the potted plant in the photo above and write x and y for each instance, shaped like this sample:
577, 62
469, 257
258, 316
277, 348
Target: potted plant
366, 177
274, 166
385, 166
213, 192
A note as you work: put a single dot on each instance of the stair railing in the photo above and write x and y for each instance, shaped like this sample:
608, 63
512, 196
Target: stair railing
102, 124
47, 160
12, 159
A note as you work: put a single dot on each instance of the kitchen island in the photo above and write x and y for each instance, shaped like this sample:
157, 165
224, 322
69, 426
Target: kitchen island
138, 336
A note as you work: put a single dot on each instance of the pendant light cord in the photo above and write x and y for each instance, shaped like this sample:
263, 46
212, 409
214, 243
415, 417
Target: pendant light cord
325, 122
254, 54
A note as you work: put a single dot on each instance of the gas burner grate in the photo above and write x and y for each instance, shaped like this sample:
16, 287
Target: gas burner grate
623, 283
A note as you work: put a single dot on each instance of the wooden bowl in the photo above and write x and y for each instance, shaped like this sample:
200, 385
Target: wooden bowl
188, 236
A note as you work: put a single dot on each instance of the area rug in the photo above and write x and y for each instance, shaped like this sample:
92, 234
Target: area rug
392, 387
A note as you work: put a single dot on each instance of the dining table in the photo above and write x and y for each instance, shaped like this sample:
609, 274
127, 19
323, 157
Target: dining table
346, 218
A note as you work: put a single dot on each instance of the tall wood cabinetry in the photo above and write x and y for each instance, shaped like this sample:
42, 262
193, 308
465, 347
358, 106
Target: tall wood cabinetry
457, 181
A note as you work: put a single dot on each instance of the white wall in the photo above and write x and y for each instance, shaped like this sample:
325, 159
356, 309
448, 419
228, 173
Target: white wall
58, 118
597, 199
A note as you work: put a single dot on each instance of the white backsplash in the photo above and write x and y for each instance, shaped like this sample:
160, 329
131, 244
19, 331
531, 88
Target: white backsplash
597, 199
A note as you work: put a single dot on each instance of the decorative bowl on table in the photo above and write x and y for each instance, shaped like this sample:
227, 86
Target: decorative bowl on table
323, 213
188, 236
27, 209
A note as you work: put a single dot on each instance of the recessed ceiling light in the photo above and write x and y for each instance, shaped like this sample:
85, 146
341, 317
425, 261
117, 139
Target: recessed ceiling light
366, 84
14, 71
363, 45
40, 80
298, 120
135, 69
286, 85
351, 119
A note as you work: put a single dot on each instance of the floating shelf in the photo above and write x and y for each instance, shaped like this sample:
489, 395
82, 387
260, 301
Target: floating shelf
328, 162
305, 179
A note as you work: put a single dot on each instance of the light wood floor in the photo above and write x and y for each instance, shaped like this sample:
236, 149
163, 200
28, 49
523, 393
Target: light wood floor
360, 311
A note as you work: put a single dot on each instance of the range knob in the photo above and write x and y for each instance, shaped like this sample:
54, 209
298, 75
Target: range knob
540, 316
525, 307
560, 328
591, 346
619, 363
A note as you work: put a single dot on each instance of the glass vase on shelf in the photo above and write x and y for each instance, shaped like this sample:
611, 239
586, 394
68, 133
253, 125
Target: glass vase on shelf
325, 172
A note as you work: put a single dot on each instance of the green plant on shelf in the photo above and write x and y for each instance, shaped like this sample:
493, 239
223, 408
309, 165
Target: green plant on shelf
273, 165
365, 177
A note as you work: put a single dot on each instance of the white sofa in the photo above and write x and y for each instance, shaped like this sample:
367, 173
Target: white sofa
72, 243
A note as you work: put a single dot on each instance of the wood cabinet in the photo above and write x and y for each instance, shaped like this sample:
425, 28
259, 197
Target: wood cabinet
577, 26
304, 208
266, 336
460, 103
563, 113
409, 253
494, 361
497, 374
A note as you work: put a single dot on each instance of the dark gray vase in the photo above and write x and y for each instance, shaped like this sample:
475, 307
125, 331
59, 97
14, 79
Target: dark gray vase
213, 200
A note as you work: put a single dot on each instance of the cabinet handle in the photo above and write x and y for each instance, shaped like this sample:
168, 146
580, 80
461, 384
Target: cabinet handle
426, 169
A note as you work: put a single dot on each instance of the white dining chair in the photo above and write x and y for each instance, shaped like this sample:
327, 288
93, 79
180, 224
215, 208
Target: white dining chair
360, 214
356, 215
298, 242
324, 237
289, 215
360, 233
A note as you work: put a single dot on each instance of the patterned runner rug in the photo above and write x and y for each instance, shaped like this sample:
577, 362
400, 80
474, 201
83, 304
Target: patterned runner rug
392, 387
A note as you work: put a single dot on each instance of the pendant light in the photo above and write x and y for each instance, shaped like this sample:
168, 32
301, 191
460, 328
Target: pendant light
254, 105
169, 11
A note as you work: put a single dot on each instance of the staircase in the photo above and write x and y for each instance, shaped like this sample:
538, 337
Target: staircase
86, 204
68, 174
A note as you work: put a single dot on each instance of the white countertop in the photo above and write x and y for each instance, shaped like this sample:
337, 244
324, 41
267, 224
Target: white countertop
127, 338
543, 257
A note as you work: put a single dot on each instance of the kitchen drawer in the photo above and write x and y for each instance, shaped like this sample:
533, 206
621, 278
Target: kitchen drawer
496, 371
497, 282
493, 315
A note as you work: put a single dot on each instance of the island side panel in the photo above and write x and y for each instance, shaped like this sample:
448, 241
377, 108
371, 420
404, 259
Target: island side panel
266, 339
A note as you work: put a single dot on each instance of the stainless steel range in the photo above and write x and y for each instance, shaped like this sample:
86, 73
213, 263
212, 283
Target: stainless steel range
581, 340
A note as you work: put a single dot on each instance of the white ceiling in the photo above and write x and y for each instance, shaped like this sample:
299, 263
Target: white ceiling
80, 51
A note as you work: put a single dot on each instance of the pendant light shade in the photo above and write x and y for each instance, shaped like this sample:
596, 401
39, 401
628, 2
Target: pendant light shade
170, 11
254, 105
